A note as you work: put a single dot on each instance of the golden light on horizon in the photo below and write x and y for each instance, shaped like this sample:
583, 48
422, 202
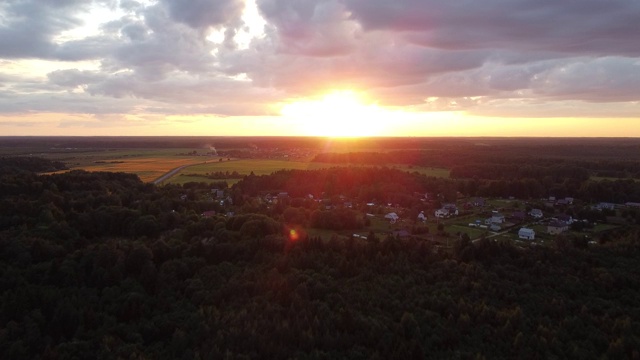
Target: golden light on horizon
341, 113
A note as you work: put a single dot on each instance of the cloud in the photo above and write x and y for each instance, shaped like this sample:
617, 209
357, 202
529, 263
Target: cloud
311, 28
204, 13
489, 57
28, 27
591, 27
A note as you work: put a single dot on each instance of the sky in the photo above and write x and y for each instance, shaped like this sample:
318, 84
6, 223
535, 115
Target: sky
320, 68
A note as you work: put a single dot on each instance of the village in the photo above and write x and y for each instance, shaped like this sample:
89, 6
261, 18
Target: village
527, 223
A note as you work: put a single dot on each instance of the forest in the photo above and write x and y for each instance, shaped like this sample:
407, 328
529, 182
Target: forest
102, 265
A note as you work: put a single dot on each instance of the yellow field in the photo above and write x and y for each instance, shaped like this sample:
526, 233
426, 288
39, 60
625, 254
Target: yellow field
148, 164
148, 169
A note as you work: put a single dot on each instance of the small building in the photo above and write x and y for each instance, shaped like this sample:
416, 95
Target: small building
479, 202
447, 210
536, 213
440, 213
497, 219
392, 217
606, 206
565, 218
422, 217
557, 227
526, 234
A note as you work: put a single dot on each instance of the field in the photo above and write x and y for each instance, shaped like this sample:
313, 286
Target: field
268, 166
148, 164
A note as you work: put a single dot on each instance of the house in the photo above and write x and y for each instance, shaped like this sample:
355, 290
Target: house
447, 210
422, 216
633, 204
565, 218
392, 217
440, 213
479, 202
557, 227
536, 213
451, 207
497, 218
606, 206
526, 234
283, 195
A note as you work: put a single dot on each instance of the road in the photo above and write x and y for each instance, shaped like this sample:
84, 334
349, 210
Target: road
173, 172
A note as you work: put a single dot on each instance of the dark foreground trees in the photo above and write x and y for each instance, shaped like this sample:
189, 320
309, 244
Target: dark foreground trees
167, 284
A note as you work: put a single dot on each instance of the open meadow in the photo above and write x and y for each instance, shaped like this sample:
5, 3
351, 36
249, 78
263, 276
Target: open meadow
200, 172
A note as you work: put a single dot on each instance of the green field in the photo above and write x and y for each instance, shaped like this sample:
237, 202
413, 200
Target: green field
268, 166
149, 164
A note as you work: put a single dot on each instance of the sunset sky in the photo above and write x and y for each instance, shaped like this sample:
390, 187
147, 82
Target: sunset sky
334, 67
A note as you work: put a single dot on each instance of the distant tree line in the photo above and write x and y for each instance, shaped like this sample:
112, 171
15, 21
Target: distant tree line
495, 164
35, 164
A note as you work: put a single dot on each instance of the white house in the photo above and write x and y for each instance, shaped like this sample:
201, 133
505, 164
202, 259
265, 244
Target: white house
527, 234
440, 213
605, 205
536, 213
447, 210
392, 217
422, 216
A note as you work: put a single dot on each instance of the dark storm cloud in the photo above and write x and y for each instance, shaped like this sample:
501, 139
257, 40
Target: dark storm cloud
580, 27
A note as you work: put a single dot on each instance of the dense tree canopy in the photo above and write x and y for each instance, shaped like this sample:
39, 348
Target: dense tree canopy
101, 265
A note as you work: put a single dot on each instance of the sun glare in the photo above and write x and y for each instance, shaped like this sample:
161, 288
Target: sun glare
337, 114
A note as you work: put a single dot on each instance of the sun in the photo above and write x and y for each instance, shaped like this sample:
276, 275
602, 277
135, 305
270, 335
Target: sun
341, 113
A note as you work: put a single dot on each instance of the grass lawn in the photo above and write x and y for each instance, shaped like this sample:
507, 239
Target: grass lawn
474, 233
